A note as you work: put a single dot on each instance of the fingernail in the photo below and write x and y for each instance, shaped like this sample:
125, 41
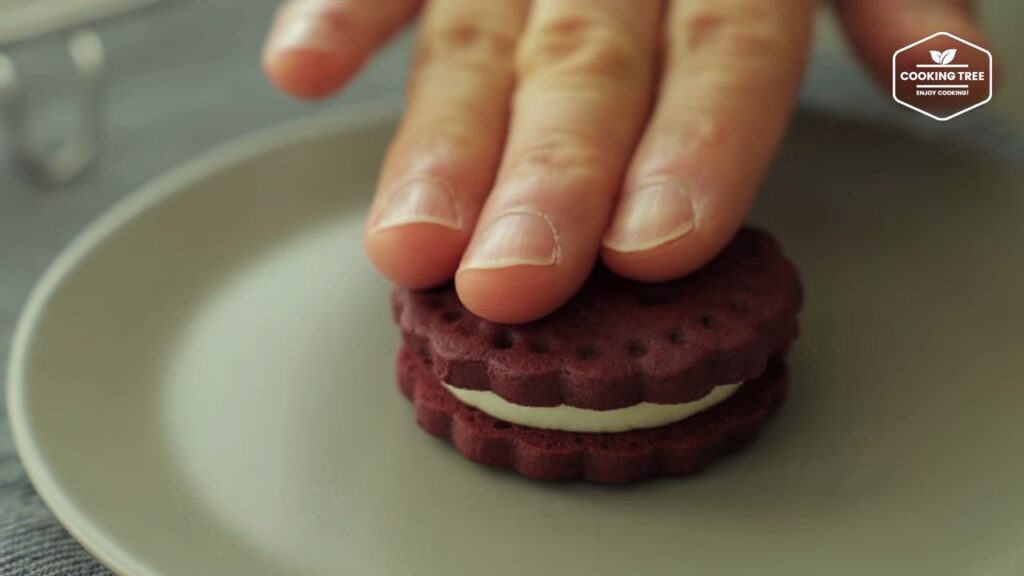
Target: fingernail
514, 239
654, 214
305, 29
420, 202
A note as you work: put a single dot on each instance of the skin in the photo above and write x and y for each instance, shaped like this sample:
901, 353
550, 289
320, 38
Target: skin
540, 136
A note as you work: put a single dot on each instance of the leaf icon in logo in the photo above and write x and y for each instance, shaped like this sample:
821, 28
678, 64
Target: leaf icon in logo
936, 56
948, 55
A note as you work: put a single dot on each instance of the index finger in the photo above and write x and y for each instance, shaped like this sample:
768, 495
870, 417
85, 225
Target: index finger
315, 46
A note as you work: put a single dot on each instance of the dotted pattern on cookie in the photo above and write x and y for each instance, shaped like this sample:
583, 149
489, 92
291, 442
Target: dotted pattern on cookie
618, 342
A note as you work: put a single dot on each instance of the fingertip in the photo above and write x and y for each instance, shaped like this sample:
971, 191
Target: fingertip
416, 255
655, 265
512, 295
308, 73
675, 259
672, 260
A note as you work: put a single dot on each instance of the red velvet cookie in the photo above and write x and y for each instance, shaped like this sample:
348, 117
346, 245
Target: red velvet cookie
626, 381
675, 449
617, 342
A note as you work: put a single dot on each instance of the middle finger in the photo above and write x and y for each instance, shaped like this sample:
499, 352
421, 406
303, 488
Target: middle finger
585, 74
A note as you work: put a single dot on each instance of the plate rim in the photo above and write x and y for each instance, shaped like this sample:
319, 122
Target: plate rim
223, 156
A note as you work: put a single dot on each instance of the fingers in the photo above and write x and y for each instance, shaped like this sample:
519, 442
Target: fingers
315, 46
731, 73
442, 162
877, 29
584, 73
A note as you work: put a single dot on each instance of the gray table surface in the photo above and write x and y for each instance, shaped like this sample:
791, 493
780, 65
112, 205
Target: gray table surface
185, 77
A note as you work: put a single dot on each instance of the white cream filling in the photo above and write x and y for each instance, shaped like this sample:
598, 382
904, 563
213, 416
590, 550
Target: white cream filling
573, 419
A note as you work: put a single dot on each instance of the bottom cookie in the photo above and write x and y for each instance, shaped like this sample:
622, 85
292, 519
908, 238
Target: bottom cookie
680, 448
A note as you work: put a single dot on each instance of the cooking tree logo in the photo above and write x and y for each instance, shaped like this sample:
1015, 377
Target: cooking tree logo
942, 76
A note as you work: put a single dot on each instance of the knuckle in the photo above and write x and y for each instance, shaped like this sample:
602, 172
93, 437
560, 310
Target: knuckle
750, 38
467, 42
695, 132
424, 158
449, 132
561, 150
578, 44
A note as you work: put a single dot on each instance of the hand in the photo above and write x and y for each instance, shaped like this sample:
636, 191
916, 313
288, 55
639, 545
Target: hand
539, 136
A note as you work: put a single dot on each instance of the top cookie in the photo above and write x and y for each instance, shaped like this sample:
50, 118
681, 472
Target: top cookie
617, 342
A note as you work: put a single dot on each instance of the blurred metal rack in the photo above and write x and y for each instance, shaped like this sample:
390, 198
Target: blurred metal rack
26, 20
